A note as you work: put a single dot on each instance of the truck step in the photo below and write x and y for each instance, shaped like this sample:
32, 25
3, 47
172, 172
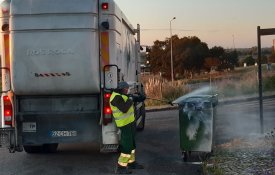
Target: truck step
109, 148
5, 136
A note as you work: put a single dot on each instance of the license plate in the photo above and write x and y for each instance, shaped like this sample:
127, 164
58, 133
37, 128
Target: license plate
63, 133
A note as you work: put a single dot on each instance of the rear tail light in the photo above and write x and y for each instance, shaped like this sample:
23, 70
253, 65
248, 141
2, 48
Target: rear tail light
7, 110
107, 111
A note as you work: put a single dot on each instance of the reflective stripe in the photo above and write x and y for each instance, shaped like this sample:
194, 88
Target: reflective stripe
123, 164
116, 111
131, 161
6, 50
125, 155
105, 50
125, 116
139, 105
124, 159
133, 156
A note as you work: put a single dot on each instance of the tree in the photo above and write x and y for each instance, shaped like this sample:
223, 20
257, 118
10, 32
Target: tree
188, 56
226, 59
216, 52
156, 57
230, 59
249, 60
211, 62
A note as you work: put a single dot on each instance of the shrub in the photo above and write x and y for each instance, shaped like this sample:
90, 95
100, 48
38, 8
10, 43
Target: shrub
157, 88
269, 83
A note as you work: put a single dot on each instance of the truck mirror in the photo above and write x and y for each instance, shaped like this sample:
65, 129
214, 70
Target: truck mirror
110, 77
5, 79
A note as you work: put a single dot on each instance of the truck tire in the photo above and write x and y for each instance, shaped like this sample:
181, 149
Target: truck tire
32, 149
45, 148
141, 125
50, 148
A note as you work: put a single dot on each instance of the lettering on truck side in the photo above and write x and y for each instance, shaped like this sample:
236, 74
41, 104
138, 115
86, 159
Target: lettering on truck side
37, 52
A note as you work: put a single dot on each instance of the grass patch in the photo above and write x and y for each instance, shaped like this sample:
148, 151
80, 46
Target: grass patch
157, 88
241, 81
269, 83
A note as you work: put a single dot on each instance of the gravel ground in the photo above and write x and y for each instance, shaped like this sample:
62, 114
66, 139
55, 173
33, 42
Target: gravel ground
254, 155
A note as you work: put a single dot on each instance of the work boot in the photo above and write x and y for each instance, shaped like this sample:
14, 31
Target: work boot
122, 170
135, 165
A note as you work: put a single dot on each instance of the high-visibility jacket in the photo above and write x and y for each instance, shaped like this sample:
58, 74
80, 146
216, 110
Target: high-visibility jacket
122, 119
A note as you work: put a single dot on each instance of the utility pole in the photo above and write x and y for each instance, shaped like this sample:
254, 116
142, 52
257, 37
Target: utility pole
171, 41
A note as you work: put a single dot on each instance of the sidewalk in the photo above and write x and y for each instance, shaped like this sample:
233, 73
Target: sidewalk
244, 98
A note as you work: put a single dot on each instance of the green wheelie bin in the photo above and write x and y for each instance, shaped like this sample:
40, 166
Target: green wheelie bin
196, 120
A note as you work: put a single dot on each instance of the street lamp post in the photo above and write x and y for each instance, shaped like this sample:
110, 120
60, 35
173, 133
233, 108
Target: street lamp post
172, 69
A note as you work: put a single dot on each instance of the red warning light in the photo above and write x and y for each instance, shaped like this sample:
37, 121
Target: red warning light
107, 95
107, 110
105, 6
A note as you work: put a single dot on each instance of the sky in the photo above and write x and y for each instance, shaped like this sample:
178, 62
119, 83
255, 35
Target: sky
226, 23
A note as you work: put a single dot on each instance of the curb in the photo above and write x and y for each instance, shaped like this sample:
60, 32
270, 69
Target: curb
161, 108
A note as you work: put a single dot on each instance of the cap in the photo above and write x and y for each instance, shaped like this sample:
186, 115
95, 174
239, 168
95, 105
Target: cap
123, 85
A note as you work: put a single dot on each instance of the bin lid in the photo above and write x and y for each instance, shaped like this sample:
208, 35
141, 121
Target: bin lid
197, 99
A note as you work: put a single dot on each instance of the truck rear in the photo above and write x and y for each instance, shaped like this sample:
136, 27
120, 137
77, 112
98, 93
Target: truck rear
60, 61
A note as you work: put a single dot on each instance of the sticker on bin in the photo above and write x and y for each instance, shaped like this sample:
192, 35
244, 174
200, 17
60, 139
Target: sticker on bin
29, 127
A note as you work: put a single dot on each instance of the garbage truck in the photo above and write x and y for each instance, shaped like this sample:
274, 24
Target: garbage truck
60, 61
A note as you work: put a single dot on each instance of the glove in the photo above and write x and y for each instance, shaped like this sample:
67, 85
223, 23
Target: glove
138, 97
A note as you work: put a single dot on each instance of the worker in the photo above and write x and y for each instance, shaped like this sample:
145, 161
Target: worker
123, 113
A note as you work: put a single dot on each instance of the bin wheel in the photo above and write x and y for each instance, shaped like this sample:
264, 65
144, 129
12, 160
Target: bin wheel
50, 148
186, 155
204, 156
45, 148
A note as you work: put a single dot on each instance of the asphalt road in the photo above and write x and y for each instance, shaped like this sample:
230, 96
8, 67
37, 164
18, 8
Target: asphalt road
158, 146
158, 150
238, 120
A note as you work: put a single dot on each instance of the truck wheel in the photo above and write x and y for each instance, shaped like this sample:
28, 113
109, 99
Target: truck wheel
50, 148
32, 149
141, 125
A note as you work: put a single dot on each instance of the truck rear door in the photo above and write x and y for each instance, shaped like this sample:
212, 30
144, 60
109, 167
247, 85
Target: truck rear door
54, 46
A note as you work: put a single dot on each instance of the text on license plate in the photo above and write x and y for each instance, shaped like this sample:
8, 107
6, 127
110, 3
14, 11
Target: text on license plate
63, 133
